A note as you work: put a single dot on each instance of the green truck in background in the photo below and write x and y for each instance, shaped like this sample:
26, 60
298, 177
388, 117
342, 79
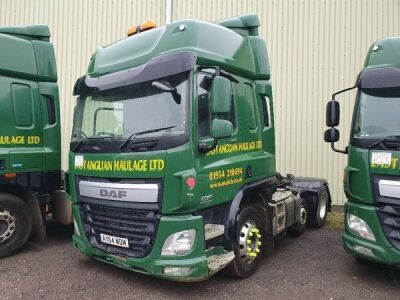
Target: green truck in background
172, 158
372, 174
30, 151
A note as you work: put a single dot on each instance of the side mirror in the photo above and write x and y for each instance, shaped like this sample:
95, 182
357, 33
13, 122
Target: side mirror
221, 94
221, 129
331, 135
332, 113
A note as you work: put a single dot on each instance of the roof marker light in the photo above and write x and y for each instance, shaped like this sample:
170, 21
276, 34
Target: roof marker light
141, 27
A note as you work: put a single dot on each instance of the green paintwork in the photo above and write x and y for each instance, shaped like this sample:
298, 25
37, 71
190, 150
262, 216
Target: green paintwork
214, 44
28, 76
382, 249
357, 183
220, 173
387, 53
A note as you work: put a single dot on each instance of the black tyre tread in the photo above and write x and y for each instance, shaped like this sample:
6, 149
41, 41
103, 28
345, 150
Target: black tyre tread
23, 223
235, 268
315, 220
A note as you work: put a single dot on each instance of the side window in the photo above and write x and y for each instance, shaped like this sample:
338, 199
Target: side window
266, 110
51, 110
23, 104
248, 90
203, 104
204, 81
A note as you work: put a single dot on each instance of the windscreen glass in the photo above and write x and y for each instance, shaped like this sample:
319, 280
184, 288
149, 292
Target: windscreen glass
377, 114
151, 108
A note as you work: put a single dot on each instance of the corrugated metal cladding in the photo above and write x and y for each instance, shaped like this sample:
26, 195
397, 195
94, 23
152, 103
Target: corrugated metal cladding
316, 47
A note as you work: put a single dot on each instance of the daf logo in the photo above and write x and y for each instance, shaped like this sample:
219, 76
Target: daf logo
112, 193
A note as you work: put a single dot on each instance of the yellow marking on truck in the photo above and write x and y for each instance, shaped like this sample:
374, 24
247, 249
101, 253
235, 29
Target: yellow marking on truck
139, 165
236, 148
392, 165
19, 140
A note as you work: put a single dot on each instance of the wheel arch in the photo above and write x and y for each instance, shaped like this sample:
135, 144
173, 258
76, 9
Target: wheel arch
309, 187
245, 197
28, 197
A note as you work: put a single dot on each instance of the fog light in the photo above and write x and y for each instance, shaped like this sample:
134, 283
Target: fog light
177, 271
363, 250
179, 243
359, 227
76, 228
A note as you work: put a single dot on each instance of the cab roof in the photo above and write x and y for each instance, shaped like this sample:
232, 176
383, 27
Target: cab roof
232, 44
384, 53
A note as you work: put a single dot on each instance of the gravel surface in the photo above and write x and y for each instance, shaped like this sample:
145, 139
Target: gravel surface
313, 266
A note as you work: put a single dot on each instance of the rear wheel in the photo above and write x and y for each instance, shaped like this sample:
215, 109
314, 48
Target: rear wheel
247, 244
15, 223
318, 218
300, 227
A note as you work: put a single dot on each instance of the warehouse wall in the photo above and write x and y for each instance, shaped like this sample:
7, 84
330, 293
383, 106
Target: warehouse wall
316, 47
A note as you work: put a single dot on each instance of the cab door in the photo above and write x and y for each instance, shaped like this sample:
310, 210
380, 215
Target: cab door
25, 129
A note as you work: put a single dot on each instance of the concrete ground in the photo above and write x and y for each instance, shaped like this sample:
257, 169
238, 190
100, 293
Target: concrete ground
313, 266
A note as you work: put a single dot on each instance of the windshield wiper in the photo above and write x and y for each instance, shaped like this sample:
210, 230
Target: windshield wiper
85, 137
135, 134
390, 138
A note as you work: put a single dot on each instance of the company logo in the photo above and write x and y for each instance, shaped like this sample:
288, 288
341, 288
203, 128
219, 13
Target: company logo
117, 194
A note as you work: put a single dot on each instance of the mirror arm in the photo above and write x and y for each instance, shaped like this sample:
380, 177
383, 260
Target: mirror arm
345, 151
342, 91
205, 148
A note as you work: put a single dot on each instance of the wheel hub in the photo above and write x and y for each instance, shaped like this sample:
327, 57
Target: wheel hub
303, 215
7, 225
249, 241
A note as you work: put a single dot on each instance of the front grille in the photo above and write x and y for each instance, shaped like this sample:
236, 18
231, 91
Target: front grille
138, 225
389, 216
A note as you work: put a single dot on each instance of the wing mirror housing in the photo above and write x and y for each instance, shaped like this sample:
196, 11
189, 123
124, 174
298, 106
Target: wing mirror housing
332, 113
221, 94
221, 129
331, 135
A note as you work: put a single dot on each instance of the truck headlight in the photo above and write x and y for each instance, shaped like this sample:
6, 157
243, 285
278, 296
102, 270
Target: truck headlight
179, 243
359, 227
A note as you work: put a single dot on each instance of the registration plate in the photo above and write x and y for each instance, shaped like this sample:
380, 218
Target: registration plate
113, 240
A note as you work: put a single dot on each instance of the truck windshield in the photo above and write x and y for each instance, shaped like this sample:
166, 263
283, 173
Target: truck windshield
377, 114
152, 108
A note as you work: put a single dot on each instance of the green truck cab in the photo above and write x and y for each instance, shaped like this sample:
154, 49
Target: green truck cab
372, 174
30, 150
172, 158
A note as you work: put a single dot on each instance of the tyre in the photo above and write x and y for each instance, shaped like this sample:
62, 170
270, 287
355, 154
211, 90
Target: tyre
318, 218
299, 228
247, 244
15, 223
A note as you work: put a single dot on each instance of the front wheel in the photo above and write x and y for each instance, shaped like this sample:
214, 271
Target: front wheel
247, 244
15, 223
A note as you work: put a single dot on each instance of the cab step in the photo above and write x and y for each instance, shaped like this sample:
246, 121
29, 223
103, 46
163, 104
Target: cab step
217, 262
213, 230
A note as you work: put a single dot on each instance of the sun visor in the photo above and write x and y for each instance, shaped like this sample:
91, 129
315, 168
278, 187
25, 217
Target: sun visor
379, 78
157, 67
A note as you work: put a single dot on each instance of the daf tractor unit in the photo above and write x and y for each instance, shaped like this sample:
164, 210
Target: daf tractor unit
172, 157
372, 174
30, 152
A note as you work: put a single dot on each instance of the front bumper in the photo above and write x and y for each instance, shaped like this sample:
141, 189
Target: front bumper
381, 250
154, 264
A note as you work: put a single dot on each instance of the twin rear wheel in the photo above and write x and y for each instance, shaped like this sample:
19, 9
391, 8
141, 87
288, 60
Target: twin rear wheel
318, 208
15, 223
